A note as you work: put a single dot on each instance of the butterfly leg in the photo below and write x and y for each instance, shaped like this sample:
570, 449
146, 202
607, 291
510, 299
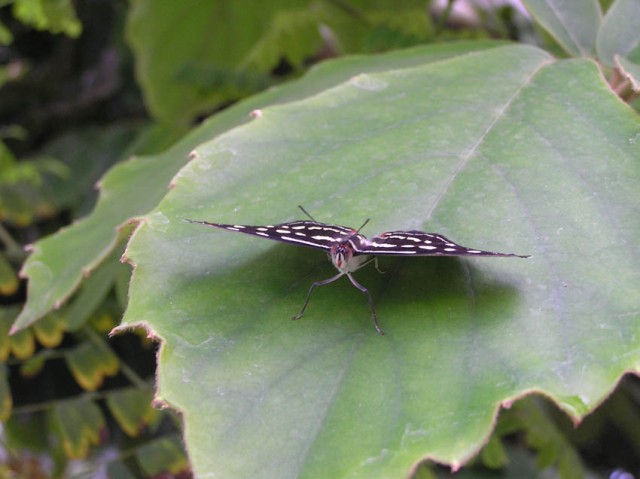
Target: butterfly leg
375, 263
313, 286
370, 299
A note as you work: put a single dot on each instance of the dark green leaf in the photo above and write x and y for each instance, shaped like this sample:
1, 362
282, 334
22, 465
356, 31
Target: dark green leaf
164, 455
55, 16
541, 433
132, 409
90, 365
8, 278
80, 425
93, 291
6, 402
50, 330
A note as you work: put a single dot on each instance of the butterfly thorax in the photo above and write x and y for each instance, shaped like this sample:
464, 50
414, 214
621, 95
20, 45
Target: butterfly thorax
343, 257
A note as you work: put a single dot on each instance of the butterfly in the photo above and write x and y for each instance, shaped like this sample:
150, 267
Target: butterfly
349, 250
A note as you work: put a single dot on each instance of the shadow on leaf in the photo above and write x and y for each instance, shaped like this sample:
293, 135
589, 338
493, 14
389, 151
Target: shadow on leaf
263, 293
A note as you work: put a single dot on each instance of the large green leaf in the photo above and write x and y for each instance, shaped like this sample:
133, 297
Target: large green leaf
507, 150
133, 188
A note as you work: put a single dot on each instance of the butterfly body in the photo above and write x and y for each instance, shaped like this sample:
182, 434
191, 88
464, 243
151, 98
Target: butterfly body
349, 250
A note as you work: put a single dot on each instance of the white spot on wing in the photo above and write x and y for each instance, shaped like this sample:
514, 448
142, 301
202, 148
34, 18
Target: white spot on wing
308, 243
323, 238
325, 228
396, 252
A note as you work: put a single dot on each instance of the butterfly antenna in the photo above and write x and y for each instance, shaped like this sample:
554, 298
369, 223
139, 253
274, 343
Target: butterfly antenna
307, 213
363, 225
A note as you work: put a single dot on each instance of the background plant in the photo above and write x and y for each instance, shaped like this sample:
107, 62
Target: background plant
69, 311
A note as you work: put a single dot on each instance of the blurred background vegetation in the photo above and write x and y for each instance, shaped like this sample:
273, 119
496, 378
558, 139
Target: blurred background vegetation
87, 84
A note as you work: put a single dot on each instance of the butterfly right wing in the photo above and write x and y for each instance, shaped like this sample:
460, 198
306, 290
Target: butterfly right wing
419, 243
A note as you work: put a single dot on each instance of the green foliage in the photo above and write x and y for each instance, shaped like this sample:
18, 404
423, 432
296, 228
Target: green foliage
50, 329
237, 47
543, 435
8, 278
582, 31
71, 428
619, 36
5, 395
574, 25
80, 423
59, 177
499, 147
20, 201
90, 365
55, 16
163, 455
130, 407
493, 455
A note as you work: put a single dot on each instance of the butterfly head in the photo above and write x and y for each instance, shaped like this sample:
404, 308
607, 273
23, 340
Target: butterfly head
341, 256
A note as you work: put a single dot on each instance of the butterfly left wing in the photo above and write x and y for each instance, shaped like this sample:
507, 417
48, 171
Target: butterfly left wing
418, 243
304, 233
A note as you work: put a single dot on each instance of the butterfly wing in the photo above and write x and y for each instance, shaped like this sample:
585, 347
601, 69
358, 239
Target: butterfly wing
418, 243
304, 233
